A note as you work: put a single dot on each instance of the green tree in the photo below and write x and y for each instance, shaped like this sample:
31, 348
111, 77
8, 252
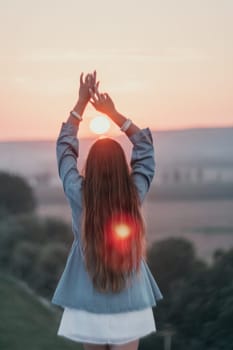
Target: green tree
16, 195
57, 231
15, 229
201, 308
173, 262
35, 249
170, 260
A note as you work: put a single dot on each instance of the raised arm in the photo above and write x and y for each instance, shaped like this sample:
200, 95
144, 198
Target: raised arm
142, 158
142, 161
67, 151
67, 144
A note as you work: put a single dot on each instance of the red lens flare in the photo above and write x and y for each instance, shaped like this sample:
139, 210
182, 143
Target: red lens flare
122, 230
120, 234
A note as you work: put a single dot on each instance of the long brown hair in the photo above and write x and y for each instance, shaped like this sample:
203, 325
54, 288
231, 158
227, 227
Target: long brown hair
113, 229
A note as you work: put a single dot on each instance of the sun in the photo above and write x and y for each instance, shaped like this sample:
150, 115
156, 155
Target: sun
99, 125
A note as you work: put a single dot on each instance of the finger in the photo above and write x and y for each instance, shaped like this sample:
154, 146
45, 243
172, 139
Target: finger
92, 102
94, 76
96, 88
81, 79
96, 91
92, 81
108, 97
93, 95
88, 78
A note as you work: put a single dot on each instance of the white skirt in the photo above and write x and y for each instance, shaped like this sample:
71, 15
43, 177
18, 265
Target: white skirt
118, 328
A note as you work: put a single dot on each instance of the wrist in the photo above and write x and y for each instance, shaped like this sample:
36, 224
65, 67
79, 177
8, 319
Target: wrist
112, 114
116, 117
80, 106
82, 102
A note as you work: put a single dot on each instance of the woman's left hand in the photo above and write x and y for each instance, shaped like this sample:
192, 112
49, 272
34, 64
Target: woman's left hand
85, 85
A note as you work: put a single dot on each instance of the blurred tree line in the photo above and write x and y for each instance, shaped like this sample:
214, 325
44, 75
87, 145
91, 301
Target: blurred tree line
197, 309
31, 248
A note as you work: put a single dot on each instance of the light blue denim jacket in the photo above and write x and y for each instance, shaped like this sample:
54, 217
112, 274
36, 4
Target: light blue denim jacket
75, 288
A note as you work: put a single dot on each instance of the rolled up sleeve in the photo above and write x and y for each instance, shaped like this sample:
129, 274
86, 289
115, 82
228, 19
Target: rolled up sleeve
142, 161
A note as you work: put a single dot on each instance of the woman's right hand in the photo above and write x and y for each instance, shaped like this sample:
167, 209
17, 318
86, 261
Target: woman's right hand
101, 102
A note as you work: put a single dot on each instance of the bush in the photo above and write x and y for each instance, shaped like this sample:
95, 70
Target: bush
23, 259
35, 249
16, 195
49, 268
170, 260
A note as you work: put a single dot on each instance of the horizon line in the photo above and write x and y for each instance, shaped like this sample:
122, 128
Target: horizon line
153, 130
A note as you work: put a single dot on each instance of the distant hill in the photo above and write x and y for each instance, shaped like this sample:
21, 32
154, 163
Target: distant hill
26, 323
208, 146
197, 147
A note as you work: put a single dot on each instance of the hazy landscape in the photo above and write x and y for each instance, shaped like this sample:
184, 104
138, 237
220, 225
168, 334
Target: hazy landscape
208, 148
191, 193
208, 223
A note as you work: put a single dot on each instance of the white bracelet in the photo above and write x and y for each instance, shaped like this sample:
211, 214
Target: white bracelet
76, 115
126, 125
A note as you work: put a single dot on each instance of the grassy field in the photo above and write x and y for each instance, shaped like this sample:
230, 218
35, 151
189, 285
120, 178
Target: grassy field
26, 323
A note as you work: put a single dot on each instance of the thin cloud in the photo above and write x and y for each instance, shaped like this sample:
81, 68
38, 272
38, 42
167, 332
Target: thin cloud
133, 55
65, 86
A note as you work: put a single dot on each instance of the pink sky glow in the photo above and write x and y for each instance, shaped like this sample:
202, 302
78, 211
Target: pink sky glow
166, 64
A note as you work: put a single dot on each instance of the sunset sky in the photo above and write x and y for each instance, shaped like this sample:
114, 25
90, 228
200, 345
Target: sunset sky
166, 64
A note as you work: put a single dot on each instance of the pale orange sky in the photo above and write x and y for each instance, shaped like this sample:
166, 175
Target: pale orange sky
166, 64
